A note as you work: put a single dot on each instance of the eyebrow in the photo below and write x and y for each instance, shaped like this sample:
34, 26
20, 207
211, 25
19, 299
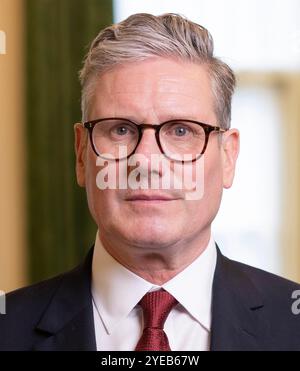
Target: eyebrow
169, 117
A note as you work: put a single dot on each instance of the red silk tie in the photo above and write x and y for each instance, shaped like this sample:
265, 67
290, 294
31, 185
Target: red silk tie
156, 308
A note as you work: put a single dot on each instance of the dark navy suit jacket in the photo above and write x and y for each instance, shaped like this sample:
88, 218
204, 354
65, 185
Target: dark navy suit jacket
251, 310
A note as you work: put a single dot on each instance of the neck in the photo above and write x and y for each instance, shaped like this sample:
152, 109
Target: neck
157, 264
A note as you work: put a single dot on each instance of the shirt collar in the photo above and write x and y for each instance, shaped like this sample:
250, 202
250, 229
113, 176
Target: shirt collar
116, 290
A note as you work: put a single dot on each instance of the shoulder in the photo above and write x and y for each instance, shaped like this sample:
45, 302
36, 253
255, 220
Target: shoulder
32, 298
257, 302
268, 284
281, 304
45, 308
24, 308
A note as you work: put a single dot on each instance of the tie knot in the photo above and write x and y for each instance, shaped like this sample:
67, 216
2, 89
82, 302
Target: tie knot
156, 308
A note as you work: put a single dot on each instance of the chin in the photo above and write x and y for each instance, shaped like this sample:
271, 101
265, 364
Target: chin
150, 236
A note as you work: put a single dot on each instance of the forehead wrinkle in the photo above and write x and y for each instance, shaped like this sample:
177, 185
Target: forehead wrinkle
140, 109
156, 80
151, 96
158, 99
166, 86
190, 96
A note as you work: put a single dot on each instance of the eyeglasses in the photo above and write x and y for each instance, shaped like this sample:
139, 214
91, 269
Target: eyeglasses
179, 140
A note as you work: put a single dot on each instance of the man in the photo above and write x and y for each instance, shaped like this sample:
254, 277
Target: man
156, 104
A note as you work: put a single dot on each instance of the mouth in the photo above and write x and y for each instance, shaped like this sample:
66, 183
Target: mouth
151, 198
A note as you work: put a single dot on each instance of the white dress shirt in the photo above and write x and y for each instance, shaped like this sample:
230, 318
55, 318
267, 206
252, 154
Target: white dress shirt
117, 291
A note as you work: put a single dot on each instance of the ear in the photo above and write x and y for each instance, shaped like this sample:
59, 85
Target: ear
230, 151
80, 150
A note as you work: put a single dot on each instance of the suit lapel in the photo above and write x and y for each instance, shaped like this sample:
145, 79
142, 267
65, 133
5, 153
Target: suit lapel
238, 321
68, 322
238, 318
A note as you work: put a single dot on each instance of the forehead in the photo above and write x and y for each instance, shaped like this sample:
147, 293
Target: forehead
161, 85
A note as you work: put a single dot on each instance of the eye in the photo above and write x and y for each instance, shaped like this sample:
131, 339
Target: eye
181, 131
121, 130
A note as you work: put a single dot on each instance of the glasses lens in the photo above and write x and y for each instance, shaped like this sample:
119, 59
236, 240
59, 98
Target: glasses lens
182, 140
115, 138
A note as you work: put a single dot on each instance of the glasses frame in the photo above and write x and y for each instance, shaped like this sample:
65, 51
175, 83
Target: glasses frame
89, 125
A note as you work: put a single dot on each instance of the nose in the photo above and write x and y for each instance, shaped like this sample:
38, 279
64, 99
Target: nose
148, 144
153, 166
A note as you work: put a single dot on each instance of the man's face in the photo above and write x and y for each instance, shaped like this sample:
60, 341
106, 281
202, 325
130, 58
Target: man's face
151, 92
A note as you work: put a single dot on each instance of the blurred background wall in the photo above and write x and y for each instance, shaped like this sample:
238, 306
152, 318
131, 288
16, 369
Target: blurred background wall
13, 251
59, 229
45, 227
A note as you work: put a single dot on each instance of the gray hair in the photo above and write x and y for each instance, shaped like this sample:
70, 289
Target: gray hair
142, 36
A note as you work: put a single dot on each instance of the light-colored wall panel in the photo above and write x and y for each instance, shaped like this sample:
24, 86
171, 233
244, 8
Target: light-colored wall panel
288, 86
12, 161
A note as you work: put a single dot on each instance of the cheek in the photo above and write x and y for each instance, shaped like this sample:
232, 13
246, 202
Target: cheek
92, 191
103, 203
213, 177
95, 196
205, 176
208, 205
213, 185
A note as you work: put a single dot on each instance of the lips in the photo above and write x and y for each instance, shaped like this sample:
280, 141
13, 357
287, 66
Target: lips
151, 197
